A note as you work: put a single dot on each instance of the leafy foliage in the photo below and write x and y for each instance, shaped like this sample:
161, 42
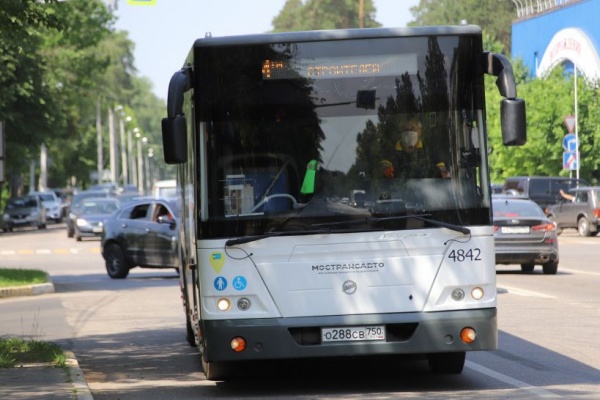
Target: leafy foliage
495, 17
60, 60
323, 14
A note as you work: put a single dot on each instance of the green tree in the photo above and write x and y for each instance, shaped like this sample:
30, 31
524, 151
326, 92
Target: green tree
548, 101
323, 14
494, 16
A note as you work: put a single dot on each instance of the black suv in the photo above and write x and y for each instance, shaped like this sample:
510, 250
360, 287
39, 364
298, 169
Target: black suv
581, 213
544, 190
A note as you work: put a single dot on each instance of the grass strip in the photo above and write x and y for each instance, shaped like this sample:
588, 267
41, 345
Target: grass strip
16, 351
21, 277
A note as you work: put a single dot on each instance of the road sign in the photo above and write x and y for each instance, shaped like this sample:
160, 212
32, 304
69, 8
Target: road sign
570, 142
570, 122
570, 161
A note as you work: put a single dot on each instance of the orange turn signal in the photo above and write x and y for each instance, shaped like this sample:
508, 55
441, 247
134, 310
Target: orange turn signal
238, 344
468, 335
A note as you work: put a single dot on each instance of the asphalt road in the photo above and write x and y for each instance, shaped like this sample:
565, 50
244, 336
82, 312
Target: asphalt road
128, 335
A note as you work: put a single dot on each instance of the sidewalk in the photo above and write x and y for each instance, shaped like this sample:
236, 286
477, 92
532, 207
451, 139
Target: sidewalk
42, 381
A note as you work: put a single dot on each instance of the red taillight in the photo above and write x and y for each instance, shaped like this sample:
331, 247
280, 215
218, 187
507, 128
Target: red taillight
597, 212
544, 227
496, 228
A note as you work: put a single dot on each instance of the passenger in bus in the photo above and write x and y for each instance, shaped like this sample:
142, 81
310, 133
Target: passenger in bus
410, 157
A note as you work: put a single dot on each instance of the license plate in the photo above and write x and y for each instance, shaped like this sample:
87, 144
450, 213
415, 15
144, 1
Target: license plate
353, 333
515, 229
97, 229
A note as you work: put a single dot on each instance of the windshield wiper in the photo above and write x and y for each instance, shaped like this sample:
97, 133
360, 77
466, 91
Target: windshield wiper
248, 239
420, 217
326, 228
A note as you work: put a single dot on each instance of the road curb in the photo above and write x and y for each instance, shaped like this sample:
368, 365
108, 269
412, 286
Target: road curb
28, 290
80, 387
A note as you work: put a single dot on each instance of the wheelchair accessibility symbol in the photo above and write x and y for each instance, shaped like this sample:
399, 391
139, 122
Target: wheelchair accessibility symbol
239, 283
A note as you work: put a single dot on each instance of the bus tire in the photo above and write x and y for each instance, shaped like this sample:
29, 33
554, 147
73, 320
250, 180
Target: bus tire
213, 370
116, 266
446, 363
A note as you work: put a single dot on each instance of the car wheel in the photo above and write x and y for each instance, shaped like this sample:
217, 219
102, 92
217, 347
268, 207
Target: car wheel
527, 267
446, 363
116, 266
583, 226
550, 267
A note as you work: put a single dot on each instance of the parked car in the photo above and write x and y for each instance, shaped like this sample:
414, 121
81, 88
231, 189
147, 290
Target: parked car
544, 190
76, 203
523, 234
142, 234
92, 215
581, 213
24, 211
52, 204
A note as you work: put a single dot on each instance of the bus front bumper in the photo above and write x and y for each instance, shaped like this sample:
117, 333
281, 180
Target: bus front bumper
405, 333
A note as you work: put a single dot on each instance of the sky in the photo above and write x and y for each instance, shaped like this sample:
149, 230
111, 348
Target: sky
163, 33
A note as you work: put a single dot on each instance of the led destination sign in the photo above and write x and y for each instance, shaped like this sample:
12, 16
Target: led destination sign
340, 67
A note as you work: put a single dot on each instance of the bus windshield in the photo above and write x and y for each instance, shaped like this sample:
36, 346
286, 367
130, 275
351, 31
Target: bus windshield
308, 133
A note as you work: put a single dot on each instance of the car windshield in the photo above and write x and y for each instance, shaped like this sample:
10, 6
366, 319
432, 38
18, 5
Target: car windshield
46, 197
21, 202
99, 207
507, 208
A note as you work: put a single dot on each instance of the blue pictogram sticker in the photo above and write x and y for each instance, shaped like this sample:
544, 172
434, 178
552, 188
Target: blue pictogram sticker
220, 283
239, 283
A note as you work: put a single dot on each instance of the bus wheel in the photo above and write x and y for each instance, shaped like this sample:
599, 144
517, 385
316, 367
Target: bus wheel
214, 371
446, 363
116, 266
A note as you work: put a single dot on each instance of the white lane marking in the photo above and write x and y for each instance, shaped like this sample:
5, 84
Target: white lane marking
525, 293
577, 271
538, 392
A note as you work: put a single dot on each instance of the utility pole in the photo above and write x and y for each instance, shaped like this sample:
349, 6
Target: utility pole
361, 13
100, 162
112, 137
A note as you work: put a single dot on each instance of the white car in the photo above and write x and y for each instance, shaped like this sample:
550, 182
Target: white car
52, 204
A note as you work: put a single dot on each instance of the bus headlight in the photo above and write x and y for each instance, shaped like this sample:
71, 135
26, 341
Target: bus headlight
243, 304
223, 304
458, 294
477, 293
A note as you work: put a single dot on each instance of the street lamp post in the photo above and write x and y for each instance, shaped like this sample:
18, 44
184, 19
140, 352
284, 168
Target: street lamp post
141, 181
123, 147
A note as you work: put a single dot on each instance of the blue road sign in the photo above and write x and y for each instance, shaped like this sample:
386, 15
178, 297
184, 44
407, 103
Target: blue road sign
570, 143
570, 161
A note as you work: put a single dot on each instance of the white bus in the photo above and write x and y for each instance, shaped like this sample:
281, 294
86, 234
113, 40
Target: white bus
272, 131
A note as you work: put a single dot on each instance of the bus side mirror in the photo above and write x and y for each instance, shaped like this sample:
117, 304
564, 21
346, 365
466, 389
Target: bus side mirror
174, 130
174, 137
513, 122
512, 109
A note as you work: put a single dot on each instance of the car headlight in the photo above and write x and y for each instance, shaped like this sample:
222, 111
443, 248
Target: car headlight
82, 222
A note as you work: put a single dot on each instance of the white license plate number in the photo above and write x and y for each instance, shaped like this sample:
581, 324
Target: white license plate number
515, 229
354, 333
